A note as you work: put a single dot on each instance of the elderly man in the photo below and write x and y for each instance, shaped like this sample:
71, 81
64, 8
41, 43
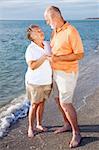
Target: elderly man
67, 49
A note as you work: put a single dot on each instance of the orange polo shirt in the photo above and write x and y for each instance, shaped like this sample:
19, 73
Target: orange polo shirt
66, 40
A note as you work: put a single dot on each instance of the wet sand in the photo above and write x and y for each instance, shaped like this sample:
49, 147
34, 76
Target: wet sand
88, 118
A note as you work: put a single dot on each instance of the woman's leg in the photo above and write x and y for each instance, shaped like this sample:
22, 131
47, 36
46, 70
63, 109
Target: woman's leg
39, 116
32, 116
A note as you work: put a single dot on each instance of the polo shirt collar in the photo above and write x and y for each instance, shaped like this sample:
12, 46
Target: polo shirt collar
33, 43
36, 46
63, 27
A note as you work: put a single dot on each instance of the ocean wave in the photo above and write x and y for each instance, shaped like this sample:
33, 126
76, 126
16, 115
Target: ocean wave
17, 109
87, 83
88, 80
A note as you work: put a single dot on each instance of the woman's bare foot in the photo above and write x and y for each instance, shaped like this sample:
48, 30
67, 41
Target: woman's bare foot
30, 133
41, 128
66, 127
76, 139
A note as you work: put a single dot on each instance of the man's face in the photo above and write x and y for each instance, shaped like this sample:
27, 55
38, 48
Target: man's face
50, 21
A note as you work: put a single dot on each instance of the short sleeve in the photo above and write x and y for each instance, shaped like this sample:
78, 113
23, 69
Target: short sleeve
29, 55
76, 42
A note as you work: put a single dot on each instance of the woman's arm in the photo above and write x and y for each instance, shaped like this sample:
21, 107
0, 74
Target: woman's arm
35, 64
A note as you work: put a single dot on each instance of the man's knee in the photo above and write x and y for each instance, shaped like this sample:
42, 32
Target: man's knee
66, 106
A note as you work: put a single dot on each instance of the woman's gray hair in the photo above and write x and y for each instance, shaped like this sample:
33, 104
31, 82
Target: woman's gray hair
30, 29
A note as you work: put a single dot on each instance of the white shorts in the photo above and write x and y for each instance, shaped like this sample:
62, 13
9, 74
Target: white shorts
65, 85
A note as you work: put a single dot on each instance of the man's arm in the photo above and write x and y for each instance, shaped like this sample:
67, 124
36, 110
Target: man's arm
69, 57
35, 64
77, 48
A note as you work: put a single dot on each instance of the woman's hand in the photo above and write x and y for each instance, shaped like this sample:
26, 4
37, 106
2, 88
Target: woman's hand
49, 58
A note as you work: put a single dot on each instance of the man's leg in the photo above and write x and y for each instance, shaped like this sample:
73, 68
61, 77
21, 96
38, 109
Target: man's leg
32, 116
66, 126
39, 115
72, 118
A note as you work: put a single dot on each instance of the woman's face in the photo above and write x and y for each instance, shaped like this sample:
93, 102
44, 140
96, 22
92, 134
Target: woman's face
37, 34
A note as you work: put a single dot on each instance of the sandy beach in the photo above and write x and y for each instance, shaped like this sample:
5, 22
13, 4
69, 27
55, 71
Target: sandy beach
16, 16
88, 118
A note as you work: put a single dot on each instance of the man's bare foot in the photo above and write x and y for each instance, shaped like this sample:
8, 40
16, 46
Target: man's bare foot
30, 133
63, 129
76, 139
41, 128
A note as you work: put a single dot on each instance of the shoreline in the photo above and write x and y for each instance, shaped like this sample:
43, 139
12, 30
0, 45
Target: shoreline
88, 118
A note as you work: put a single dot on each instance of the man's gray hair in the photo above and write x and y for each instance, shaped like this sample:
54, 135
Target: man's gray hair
52, 9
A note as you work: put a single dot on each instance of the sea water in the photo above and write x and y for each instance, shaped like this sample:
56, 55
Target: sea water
13, 44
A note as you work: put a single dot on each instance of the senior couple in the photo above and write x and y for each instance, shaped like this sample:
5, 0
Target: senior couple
61, 59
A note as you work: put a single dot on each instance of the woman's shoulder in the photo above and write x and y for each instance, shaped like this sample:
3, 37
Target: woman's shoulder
31, 46
47, 46
46, 42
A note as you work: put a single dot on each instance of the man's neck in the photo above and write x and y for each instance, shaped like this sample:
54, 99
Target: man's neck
60, 24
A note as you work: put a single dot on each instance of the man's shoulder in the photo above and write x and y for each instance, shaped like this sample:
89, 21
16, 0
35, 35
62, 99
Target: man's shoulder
72, 30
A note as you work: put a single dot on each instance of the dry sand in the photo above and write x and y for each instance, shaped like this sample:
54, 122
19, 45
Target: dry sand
88, 118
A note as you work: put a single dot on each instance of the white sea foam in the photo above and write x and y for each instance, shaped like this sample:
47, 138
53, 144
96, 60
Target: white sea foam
88, 81
17, 109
